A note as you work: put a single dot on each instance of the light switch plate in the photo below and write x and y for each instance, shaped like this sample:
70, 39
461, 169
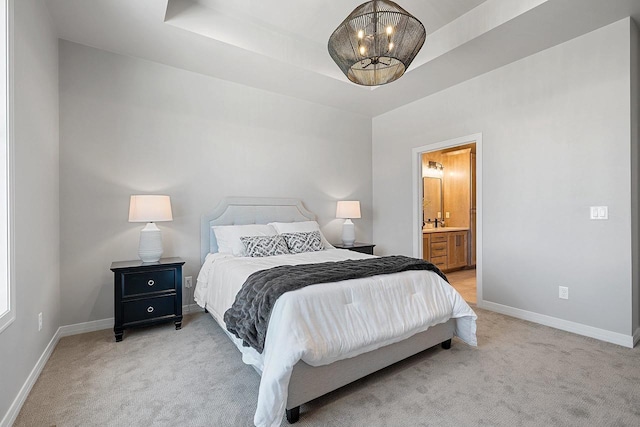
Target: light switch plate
599, 212
603, 212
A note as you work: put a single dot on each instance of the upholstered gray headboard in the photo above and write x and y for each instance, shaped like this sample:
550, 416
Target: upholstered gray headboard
248, 210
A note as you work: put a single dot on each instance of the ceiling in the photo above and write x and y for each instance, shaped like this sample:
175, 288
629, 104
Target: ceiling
314, 20
292, 31
280, 45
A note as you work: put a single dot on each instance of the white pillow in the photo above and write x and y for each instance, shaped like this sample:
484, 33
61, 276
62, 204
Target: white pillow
301, 227
228, 236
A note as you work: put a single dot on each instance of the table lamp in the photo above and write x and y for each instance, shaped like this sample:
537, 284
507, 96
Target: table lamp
150, 209
348, 209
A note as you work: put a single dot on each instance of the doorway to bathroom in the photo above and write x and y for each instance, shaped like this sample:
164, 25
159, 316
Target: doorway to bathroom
447, 184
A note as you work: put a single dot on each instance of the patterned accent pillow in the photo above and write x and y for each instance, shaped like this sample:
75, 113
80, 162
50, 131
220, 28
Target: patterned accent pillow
303, 242
260, 246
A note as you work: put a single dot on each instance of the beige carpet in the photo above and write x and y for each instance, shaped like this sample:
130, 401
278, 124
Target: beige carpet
521, 374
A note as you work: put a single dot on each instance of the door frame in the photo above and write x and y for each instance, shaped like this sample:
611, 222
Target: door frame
416, 161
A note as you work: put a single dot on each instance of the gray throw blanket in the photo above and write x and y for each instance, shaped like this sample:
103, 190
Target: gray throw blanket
249, 315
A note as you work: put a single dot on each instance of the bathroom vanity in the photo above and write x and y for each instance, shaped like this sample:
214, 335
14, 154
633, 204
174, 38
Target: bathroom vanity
446, 247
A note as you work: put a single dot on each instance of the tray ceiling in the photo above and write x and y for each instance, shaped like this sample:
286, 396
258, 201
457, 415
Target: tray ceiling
280, 45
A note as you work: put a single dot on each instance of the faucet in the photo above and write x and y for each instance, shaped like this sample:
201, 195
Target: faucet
436, 222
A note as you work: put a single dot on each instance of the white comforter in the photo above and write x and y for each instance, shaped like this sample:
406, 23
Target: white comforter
321, 324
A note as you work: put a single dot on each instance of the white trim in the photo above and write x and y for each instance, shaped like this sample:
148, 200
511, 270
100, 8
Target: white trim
564, 325
417, 195
8, 317
636, 337
15, 407
99, 325
96, 325
63, 331
84, 327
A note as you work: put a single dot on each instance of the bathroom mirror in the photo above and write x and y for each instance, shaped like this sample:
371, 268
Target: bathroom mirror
432, 199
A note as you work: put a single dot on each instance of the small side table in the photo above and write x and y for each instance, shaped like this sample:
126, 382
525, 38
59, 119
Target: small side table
146, 293
365, 248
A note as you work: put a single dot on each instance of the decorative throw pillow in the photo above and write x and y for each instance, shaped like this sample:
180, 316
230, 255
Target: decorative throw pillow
228, 236
301, 227
303, 242
261, 246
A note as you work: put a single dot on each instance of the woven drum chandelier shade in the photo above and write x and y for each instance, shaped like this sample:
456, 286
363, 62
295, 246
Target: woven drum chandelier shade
376, 43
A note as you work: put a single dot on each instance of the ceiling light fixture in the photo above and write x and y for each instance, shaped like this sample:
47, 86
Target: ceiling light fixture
376, 43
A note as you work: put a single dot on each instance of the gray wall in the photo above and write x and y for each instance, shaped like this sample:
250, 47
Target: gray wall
131, 126
36, 220
556, 140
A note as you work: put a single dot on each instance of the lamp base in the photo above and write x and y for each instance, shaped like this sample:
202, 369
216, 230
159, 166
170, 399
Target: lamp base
348, 233
150, 247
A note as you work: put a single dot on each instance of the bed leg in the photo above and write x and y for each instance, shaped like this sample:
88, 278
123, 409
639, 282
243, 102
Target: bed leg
446, 344
293, 415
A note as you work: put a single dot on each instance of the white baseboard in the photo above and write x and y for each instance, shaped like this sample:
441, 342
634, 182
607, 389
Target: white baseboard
98, 325
565, 325
63, 331
81, 328
15, 407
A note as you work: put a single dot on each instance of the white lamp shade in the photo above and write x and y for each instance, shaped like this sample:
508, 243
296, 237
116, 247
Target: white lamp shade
150, 208
348, 209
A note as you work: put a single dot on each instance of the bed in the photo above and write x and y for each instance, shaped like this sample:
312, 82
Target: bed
323, 337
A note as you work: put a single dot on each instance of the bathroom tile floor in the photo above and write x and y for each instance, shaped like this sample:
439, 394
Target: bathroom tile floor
464, 281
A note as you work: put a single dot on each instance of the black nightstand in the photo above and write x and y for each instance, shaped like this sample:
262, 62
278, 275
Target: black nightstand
147, 293
365, 248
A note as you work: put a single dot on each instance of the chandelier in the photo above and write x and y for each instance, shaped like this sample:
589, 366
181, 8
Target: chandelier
376, 43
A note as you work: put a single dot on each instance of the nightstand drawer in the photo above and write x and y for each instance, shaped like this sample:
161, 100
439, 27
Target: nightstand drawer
148, 281
148, 308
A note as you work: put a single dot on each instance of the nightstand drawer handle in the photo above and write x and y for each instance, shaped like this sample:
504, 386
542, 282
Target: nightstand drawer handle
150, 309
151, 282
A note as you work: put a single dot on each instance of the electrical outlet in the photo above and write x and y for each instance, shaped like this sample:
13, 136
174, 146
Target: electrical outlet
188, 282
563, 292
446, 215
39, 321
